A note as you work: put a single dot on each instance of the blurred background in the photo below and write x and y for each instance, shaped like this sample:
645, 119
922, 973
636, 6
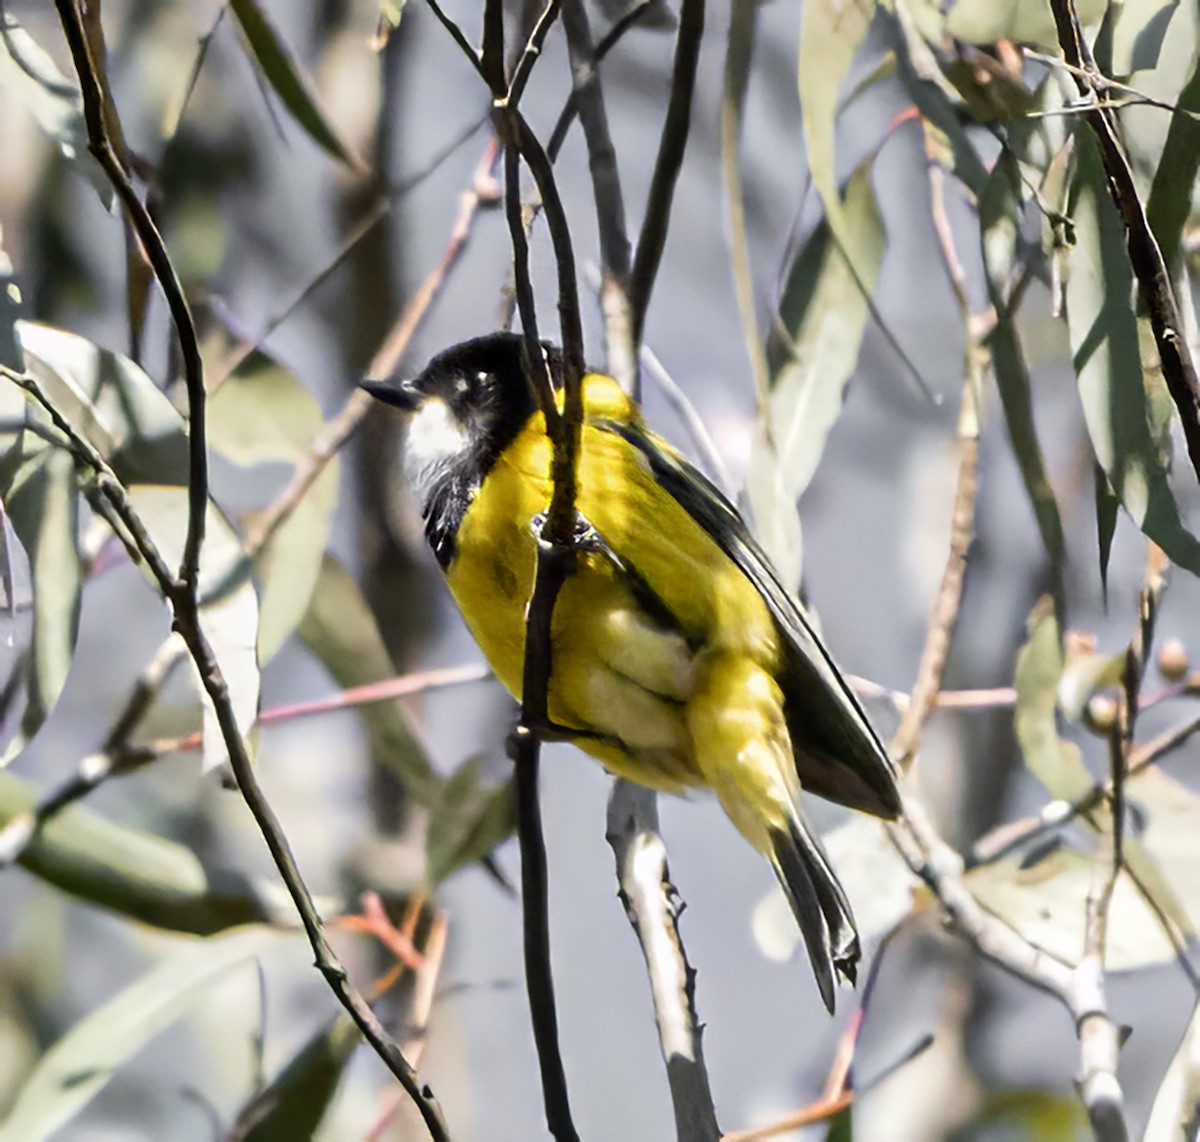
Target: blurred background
300, 225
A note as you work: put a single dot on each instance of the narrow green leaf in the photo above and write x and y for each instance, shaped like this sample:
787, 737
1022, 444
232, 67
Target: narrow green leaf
1112, 384
1170, 202
289, 82
228, 609
133, 873
469, 820
825, 310
841, 1127
111, 402
831, 32
1138, 32
43, 507
1107, 507
293, 1104
341, 631
925, 85
86, 1058
999, 221
262, 415
985, 22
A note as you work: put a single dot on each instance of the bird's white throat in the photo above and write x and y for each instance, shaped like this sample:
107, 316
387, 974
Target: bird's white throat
437, 441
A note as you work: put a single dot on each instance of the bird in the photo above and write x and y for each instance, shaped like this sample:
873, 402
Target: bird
678, 658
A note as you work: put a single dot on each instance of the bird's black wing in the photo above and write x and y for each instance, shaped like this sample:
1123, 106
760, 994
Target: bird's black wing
839, 755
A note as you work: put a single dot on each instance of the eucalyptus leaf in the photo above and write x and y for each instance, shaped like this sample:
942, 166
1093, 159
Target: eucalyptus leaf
133, 873
1044, 900
294, 1102
1169, 204
228, 611
288, 80
38, 488
342, 632
1112, 384
86, 1058
111, 402
469, 820
825, 308
999, 222
263, 415
831, 32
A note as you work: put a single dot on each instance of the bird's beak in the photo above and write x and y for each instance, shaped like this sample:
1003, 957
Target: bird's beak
401, 393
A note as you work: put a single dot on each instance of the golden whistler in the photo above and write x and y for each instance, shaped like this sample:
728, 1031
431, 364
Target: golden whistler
677, 658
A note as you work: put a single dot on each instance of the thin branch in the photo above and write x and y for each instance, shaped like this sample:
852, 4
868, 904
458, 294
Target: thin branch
456, 34
587, 96
533, 49
671, 146
653, 908
1154, 280
338, 430
907, 737
554, 564
101, 147
187, 625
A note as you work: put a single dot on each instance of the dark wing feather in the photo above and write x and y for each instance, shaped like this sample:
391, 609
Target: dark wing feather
838, 754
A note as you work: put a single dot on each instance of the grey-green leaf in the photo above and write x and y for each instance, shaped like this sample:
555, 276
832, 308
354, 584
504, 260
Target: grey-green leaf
133, 873
53, 99
263, 415
1112, 383
469, 820
294, 1102
825, 309
86, 1058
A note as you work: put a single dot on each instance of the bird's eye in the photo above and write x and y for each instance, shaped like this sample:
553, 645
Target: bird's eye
482, 378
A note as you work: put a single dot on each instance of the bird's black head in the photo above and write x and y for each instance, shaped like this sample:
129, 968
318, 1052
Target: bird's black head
468, 405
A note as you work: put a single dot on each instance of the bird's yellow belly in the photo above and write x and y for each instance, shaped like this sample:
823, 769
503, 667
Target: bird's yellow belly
616, 672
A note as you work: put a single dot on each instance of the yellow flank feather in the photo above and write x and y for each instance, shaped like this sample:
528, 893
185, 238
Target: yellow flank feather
696, 704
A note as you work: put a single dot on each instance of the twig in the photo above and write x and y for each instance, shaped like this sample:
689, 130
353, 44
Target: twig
555, 557
671, 146
653, 908
907, 737
187, 625
1154, 280
387, 357
101, 147
683, 408
588, 98
554, 563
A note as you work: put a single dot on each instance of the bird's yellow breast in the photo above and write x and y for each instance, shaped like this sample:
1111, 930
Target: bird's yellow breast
619, 668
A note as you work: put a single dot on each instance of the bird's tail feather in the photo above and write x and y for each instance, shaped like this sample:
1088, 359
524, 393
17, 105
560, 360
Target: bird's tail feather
819, 903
